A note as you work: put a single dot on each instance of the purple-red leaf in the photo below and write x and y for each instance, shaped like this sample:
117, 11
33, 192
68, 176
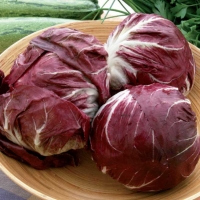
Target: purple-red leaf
69, 63
146, 137
147, 48
39, 120
36, 160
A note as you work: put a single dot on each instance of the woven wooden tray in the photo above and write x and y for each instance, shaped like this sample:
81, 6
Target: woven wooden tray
85, 182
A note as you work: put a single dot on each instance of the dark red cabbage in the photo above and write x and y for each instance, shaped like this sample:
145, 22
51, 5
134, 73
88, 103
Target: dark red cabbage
36, 160
146, 137
147, 48
68, 62
49, 98
40, 121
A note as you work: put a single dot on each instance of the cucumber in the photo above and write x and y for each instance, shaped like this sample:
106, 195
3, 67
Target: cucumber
14, 28
69, 9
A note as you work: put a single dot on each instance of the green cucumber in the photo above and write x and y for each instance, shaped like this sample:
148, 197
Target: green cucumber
14, 28
69, 9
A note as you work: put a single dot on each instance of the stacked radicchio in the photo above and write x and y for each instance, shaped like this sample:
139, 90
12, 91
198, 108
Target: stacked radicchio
57, 99
50, 97
145, 136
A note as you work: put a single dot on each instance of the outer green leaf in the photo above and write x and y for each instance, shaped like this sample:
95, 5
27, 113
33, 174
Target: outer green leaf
172, 1
198, 11
179, 10
181, 13
163, 8
188, 2
191, 30
140, 5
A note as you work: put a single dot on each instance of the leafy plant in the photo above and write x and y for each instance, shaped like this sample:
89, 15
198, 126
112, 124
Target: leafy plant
146, 143
183, 13
136, 52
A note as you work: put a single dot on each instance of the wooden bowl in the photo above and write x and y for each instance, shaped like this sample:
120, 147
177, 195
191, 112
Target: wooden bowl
86, 182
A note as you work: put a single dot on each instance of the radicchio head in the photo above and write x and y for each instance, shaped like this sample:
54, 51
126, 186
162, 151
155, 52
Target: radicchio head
147, 48
68, 62
146, 137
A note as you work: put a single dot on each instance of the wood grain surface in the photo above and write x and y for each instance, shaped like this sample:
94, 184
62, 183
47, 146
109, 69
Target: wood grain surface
86, 182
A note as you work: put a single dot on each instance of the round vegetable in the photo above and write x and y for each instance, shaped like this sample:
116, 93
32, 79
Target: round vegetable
146, 137
39, 120
68, 62
50, 96
147, 48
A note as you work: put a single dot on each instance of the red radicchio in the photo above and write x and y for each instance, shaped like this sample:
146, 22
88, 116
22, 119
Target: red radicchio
47, 101
36, 160
146, 137
145, 49
40, 121
68, 62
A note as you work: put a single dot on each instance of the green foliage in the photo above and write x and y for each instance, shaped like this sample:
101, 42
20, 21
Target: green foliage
191, 30
162, 8
184, 13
